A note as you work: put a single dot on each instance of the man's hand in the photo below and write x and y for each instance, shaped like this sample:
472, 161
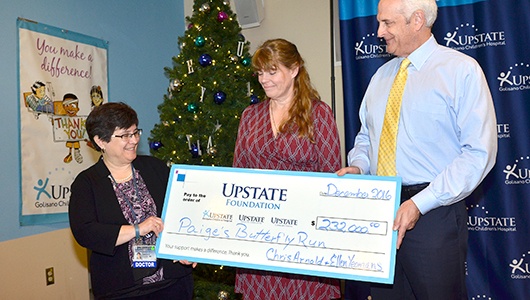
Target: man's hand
407, 216
348, 170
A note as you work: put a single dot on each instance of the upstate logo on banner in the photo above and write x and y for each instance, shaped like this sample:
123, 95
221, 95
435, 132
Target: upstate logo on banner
514, 78
494, 33
62, 75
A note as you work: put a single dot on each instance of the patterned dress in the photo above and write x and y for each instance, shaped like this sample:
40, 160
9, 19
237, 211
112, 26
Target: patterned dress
256, 147
144, 207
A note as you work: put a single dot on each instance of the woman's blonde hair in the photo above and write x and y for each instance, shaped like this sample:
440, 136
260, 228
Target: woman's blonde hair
282, 52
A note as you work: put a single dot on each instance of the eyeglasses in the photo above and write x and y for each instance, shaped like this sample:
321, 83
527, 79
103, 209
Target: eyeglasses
127, 136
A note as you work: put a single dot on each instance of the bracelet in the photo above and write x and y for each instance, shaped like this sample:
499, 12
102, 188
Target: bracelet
137, 230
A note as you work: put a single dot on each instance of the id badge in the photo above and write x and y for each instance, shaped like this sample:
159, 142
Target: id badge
144, 256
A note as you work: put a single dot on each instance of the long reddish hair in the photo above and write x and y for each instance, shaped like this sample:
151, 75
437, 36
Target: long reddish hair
282, 52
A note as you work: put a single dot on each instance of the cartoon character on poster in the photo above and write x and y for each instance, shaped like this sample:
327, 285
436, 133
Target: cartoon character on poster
96, 95
38, 101
71, 107
67, 125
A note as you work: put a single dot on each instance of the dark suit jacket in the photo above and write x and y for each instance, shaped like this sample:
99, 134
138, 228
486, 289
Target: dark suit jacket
96, 217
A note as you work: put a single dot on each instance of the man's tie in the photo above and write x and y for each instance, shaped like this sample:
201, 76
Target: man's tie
386, 160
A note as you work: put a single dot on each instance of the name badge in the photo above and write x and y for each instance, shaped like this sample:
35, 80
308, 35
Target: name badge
144, 256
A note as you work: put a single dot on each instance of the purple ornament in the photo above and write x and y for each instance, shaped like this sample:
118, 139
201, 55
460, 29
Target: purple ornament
205, 60
219, 97
221, 16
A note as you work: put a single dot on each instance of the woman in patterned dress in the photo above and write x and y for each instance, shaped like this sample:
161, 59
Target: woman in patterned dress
291, 130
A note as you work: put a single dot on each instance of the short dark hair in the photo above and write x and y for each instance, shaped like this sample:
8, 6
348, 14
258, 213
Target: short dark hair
36, 85
103, 120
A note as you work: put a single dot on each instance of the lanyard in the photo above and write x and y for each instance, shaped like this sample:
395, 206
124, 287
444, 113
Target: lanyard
129, 202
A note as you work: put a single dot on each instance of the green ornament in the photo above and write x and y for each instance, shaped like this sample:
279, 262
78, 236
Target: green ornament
245, 61
192, 107
199, 41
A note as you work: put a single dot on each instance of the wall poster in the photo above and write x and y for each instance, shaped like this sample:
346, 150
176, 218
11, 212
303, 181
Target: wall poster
62, 75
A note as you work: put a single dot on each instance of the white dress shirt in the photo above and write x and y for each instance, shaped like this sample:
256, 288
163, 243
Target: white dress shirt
447, 131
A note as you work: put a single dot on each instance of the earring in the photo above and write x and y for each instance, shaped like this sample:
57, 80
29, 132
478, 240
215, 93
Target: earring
102, 150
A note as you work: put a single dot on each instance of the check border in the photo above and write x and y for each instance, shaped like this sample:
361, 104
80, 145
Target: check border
178, 206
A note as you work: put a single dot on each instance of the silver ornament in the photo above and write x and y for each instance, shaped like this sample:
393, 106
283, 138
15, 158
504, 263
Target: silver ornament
223, 295
205, 7
212, 151
176, 84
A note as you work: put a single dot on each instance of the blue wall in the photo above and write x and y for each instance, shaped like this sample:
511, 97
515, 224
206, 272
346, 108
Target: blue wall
142, 38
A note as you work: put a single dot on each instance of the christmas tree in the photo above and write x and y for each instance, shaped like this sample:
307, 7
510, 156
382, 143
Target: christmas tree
211, 82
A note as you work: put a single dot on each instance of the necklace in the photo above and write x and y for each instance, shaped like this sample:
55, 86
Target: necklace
275, 128
125, 179
121, 180
273, 123
135, 185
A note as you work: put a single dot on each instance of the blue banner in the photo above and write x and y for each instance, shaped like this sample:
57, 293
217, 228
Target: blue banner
494, 32
361, 8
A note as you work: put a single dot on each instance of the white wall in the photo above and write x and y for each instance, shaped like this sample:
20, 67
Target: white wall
305, 23
24, 262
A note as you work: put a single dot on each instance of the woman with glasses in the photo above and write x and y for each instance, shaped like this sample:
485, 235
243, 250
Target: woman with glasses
114, 211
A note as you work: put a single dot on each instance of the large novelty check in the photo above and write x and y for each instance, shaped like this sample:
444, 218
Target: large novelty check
296, 222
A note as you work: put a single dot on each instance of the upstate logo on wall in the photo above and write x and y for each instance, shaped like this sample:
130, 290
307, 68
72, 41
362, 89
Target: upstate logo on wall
467, 36
480, 219
518, 171
370, 47
520, 267
514, 78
